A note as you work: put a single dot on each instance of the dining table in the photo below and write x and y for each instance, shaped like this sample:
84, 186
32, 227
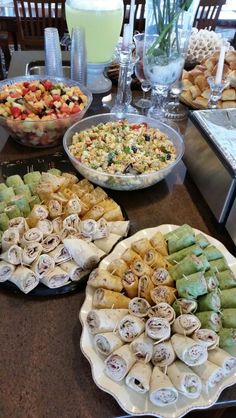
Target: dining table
43, 372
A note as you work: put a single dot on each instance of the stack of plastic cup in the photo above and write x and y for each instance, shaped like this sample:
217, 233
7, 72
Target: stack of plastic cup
78, 58
53, 59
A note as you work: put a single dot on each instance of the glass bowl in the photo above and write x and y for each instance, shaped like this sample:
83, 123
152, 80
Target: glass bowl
40, 133
123, 181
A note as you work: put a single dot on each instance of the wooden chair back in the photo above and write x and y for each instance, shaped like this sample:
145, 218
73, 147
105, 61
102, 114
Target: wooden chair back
33, 16
139, 19
207, 14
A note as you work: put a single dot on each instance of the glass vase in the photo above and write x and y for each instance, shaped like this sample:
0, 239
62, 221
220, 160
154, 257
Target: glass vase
167, 31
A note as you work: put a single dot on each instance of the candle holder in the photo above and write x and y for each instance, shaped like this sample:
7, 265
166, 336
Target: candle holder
216, 91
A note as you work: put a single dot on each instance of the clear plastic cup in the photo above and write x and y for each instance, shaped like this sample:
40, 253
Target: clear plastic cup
53, 58
78, 56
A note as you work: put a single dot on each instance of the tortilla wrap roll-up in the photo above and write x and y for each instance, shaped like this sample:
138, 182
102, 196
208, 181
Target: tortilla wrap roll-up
102, 278
38, 213
118, 363
130, 284
117, 267
73, 205
14, 180
46, 226
32, 235
186, 324
157, 328
139, 307
188, 350
141, 246
54, 208
31, 252
96, 212
207, 337
179, 231
129, 256
145, 286
6, 270
163, 293
138, 377
228, 340
55, 278
184, 379
119, 227
9, 237
60, 254
24, 278
43, 264
184, 306
107, 342
102, 230
104, 298
88, 228
228, 298
142, 347
219, 265
209, 302
112, 211
212, 253
13, 255
192, 286
162, 392
155, 259
160, 276
210, 373
211, 281
71, 221
159, 243
202, 240
204, 261
140, 268
50, 242
162, 310
179, 255
180, 240
189, 265
19, 223
104, 320
107, 243
130, 327
209, 320
222, 359
228, 318
163, 354
226, 279
81, 252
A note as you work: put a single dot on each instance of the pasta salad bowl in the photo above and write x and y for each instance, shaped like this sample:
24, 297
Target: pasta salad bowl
123, 154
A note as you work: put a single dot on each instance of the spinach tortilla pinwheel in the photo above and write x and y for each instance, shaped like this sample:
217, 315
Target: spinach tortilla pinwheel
209, 320
226, 279
229, 318
189, 265
209, 302
228, 340
192, 286
228, 298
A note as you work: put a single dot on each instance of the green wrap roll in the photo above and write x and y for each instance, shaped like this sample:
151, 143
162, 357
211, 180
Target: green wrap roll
23, 189
184, 306
228, 298
13, 181
209, 302
34, 200
209, 320
228, 318
228, 340
202, 240
22, 203
4, 221
185, 228
2, 206
55, 171
32, 177
219, 265
33, 188
226, 279
12, 211
3, 186
189, 265
7, 194
212, 253
204, 261
192, 286
179, 255
180, 241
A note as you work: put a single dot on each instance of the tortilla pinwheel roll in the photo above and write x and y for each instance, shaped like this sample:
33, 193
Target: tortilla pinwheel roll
222, 359
71, 221
96, 212
163, 293
117, 267
163, 354
207, 337
186, 324
142, 347
55, 278
189, 265
13, 255
140, 268
50, 242
162, 392
139, 307
88, 228
129, 256
130, 327
211, 281
210, 320
54, 208
188, 350
107, 243
82, 252
145, 286
104, 298
184, 379
130, 283
73, 205
6, 270
209, 302
102, 278
210, 373
180, 238
159, 243
102, 230
212, 253
19, 223
141, 246
74, 271
219, 265
38, 213
31, 252
226, 279
104, 320
43, 264
46, 226
184, 306
118, 363
228, 298
179, 255
139, 376
161, 276
155, 259
32, 235
157, 328
119, 227
105, 343
192, 286
60, 254
10, 237
162, 310
24, 278
228, 340
228, 318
